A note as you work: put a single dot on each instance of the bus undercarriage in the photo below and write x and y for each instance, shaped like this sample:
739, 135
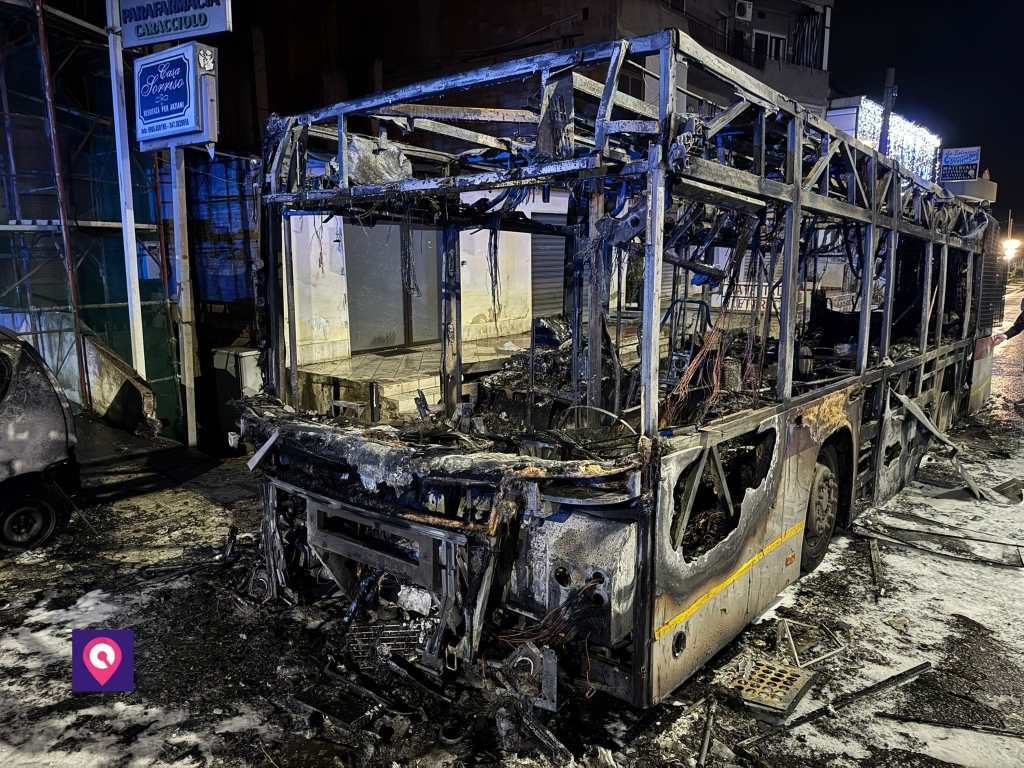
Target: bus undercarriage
581, 521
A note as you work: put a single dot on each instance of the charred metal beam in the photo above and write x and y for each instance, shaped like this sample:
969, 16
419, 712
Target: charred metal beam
556, 131
966, 330
590, 87
451, 319
705, 193
492, 75
790, 261
608, 94
632, 126
654, 247
452, 132
596, 248
892, 244
461, 114
821, 164
721, 121
867, 274
289, 290
940, 303
516, 177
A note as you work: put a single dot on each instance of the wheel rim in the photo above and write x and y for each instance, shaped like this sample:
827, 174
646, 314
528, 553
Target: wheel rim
821, 513
24, 525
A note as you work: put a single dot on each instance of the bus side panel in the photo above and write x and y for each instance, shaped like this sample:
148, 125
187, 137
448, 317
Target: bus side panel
981, 375
700, 606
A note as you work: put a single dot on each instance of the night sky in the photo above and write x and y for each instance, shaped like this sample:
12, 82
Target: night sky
959, 69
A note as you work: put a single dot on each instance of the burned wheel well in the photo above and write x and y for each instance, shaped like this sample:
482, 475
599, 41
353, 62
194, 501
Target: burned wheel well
840, 443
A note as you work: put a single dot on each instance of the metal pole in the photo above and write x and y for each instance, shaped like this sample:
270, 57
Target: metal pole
289, 287
183, 274
892, 245
621, 257
62, 205
926, 309
888, 102
124, 185
649, 330
790, 262
451, 318
940, 302
595, 326
867, 269
22, 270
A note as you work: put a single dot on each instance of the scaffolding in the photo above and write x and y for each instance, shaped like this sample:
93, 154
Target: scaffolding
62, 270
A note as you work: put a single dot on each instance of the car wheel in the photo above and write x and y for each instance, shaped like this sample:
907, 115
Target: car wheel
822, 511
28, 521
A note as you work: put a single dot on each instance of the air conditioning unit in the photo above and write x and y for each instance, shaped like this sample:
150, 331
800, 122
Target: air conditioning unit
744, 10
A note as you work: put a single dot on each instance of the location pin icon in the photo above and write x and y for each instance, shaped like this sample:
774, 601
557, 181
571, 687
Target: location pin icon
102, 657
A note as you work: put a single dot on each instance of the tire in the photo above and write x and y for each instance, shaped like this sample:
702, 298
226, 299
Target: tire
30, 519
822, 510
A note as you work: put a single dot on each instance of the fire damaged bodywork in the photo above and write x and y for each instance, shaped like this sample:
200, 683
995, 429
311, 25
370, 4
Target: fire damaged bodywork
466, 533
37, 442
613, 506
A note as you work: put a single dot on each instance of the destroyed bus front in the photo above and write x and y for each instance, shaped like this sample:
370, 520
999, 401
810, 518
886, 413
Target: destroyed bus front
614, 505
453, 552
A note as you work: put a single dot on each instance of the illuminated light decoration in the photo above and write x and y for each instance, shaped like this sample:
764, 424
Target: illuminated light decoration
913, 145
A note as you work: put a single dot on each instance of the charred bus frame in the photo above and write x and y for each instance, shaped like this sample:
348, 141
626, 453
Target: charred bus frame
701, 512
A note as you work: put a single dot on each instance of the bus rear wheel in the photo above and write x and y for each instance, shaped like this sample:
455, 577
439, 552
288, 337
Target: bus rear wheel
822, 510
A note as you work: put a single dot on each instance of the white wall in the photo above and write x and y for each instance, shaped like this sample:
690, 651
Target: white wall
321, 290
480, 318
321, 283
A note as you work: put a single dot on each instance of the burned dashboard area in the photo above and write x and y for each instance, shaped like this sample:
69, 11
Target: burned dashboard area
451, 558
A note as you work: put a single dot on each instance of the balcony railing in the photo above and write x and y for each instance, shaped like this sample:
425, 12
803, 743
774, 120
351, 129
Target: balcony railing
803, 48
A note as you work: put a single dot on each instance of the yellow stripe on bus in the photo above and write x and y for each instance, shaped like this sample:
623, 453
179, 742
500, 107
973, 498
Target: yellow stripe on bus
695, 606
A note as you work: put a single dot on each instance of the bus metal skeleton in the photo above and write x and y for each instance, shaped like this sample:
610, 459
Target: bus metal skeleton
628, 520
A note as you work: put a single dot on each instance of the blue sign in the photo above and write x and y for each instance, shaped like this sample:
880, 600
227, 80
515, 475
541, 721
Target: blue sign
960, 164
144, 22
167, 93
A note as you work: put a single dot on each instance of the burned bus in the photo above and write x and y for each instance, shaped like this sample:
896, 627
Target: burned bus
614, 505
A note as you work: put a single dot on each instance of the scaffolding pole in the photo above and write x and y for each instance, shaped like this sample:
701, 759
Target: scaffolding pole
22, 281
183, 273
124, 184
62, 204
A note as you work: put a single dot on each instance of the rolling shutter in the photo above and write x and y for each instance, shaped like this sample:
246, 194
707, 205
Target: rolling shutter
547, 259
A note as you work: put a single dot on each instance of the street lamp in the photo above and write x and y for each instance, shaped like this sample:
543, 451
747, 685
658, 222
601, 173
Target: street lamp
1010, 247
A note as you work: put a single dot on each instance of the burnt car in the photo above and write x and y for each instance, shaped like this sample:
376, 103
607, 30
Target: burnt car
38, 468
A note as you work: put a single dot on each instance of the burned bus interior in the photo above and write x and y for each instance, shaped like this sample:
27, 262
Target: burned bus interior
745, 287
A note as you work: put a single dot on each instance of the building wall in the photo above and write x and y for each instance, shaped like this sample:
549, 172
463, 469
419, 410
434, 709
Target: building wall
321, 290
712, 24
482, 318
321, 284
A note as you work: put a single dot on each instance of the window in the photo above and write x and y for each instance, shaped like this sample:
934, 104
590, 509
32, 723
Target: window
768, 46
631, 85
708, 496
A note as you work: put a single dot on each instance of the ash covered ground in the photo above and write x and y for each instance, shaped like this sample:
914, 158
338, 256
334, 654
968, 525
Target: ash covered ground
224, 680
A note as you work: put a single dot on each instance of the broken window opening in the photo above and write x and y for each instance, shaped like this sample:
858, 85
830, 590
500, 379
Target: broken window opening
831, 301
908, 297
708, 497
717, 321
958, 285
